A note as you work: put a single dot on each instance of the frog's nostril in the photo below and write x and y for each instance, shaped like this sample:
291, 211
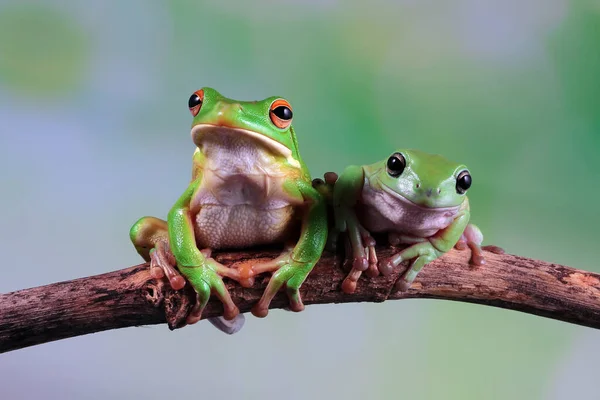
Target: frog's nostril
418, 185
439, 190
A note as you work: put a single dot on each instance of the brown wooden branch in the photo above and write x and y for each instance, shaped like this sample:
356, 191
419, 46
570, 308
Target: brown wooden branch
129, 297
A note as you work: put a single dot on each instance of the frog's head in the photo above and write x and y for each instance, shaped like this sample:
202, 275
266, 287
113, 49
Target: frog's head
268, 122
428, 180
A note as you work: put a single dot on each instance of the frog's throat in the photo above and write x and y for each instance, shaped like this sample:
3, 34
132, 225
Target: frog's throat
202, 129
397, 195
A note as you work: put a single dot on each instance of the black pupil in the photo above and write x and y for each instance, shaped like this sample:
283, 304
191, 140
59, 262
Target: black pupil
396, 165
194, 101
464, 182
283, 112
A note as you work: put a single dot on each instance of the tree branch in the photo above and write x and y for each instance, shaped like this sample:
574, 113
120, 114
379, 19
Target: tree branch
130, 297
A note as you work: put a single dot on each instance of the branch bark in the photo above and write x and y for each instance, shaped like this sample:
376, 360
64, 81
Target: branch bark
130, 297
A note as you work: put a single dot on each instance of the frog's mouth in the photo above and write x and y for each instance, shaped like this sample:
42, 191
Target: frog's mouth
200, 131
392, 192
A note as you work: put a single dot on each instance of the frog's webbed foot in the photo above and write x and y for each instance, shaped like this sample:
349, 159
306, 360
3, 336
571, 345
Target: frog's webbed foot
362, 257
351, 280
247, 272
422, 252
149, 235
373, 269
396, 239
286, 271
472, 238
163, 264
206, 280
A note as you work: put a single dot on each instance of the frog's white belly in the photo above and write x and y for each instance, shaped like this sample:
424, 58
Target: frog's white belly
242, 210
387, 212
221, 227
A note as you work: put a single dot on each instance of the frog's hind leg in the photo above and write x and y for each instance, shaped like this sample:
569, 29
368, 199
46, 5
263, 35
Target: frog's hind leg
150, 238
163, 262
145, 233
472, 238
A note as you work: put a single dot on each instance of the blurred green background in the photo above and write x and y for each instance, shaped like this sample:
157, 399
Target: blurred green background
94, 133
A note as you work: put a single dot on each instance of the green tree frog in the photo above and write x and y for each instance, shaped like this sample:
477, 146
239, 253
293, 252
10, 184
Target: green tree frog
249, 187
418, 199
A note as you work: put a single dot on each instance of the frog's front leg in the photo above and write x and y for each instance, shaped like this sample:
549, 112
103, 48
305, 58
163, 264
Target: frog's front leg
347, 191
427, 251
396, 239
204, 274
472, 238
292, 268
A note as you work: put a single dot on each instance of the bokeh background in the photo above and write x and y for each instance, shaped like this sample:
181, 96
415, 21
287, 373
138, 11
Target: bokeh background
94, 133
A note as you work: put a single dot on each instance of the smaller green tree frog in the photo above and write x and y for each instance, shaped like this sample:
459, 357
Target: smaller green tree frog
418, 199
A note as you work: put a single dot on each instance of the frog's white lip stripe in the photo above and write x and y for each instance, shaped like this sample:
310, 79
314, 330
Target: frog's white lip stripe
199, 129
397, 195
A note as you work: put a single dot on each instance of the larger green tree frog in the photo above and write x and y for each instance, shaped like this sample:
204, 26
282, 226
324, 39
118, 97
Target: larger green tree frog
249, 187
418, 199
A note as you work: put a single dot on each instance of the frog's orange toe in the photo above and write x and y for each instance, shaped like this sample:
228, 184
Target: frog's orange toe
177, 282
348, 286
260, 311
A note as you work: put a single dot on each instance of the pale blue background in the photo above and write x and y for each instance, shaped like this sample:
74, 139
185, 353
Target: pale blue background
94, 133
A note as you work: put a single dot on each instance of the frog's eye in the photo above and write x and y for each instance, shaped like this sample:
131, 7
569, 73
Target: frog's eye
195, 102
396, 164
281, 114
463, 182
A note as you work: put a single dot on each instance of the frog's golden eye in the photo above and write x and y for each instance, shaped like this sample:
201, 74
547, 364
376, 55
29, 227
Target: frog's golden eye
281, 114
195, 102
463, 182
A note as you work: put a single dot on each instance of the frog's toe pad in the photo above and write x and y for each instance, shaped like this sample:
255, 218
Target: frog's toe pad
156, 273
193, 318
360, 263
231, 312
386, 268
296, 306
330, 177
260, 311
477, 260
372, 271
460, 245
402, 285
246, 283
348, 286
177, 282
